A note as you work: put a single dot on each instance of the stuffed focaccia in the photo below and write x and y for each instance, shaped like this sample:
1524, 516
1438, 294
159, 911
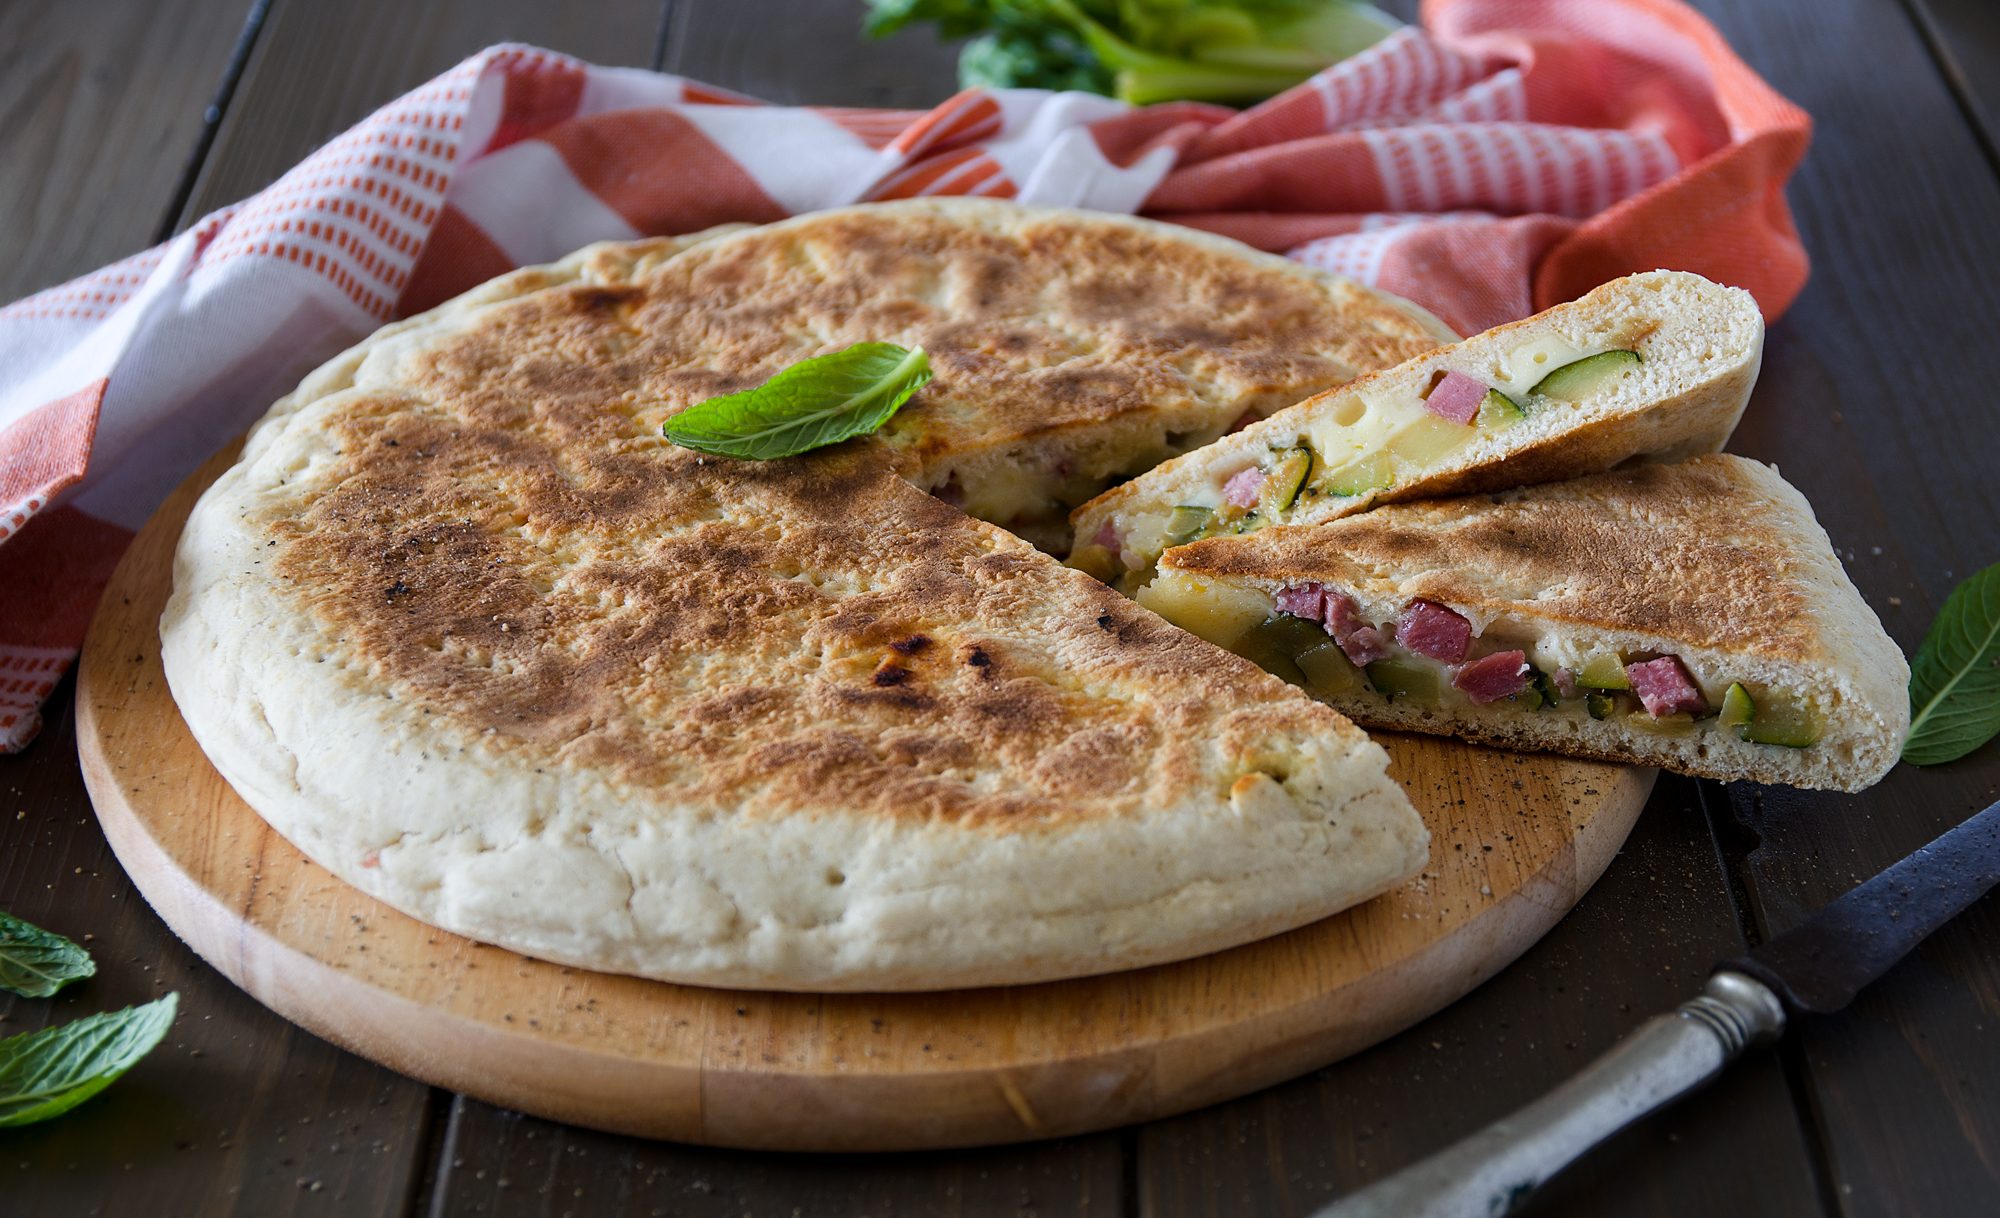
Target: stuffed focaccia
1688, 616
464, 628
1656, 365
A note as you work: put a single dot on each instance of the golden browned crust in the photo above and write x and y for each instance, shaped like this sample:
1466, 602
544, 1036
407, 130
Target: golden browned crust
1035, 322
584, 592
1700, 552
505, 538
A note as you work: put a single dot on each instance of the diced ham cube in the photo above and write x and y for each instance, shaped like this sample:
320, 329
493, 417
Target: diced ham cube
1107, 536
1342, 614
1363, 643
1243, 486
1365, 646
1664, 687
1302, 600
1430, 629
1565, 682
1491, 678
1456, 397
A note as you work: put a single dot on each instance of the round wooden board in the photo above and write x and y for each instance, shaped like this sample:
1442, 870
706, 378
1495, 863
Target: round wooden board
1516, 840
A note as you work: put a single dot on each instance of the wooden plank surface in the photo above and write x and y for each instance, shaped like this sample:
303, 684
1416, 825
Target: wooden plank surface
506, 1165
807, 53
1964, 37
1877, 400
101, 107
319, 67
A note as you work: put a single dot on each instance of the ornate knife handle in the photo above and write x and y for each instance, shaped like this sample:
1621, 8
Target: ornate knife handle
1494, 1171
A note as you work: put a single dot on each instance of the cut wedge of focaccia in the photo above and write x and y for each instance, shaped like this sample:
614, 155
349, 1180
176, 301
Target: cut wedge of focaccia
1656, 365
1689, 616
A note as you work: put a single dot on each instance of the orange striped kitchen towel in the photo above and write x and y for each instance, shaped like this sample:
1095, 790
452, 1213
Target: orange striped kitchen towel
1507, 155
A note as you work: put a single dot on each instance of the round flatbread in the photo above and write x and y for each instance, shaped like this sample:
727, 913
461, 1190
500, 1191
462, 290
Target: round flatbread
463, 626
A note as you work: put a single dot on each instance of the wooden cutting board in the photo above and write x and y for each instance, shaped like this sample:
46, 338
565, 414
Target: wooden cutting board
1516, 840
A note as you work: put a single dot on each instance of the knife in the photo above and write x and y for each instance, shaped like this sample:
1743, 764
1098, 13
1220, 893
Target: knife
1816, 968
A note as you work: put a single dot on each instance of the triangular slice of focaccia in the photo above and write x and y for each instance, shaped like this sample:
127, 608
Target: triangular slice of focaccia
1657, 365
463, 627
1689, 616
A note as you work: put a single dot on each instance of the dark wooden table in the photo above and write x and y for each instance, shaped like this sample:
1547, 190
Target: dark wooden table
121, 122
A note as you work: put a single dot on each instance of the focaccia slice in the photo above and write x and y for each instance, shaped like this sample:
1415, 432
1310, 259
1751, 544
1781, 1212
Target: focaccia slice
1688, 616
1656, 365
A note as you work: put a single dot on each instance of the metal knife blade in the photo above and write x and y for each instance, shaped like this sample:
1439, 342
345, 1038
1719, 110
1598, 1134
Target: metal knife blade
1820, 964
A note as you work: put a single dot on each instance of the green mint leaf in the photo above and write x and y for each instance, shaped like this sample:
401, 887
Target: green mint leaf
45, 1074
809, 405
1955, 679
35, 963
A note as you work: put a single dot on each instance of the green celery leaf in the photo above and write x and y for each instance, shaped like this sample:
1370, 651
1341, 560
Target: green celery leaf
45, 1074
1955, 679
35, 963
1011, 58
809, 405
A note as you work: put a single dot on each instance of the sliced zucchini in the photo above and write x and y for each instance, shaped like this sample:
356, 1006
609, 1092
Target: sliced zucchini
1540, 692
1498, 410
1276, 643
1579, 379
1187, 523
1329, 672
1679, 724
1739, 709
1376, 472
1604, 671
1405, 679
1286, 479
1784, 724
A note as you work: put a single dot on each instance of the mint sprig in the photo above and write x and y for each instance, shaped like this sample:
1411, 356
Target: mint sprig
35, 963
809, 405
45, 1074
1955, 679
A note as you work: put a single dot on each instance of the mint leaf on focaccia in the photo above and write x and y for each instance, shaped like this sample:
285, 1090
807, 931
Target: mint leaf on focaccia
809, 405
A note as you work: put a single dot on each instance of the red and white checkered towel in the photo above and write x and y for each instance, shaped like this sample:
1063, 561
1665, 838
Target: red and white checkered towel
1512, 154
